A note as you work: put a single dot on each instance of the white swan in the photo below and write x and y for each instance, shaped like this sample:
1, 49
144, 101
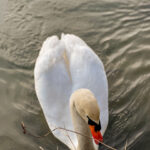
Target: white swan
68, 73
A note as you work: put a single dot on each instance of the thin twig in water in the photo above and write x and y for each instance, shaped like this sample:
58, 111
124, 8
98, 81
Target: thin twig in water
23, 127
70, 139
59, 128
26, 132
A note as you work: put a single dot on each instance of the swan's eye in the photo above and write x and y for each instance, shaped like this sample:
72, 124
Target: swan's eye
98, 127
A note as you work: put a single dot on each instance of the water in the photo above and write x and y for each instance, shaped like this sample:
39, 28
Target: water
118, 31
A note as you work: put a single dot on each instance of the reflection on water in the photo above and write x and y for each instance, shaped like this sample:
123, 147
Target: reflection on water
119, 32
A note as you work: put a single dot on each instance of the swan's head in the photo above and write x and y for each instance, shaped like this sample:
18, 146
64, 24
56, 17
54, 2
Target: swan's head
87, 107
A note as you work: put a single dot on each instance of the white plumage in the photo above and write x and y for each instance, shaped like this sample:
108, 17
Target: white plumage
62, 67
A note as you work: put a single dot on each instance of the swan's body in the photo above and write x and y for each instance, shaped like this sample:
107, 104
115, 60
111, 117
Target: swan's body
62, 67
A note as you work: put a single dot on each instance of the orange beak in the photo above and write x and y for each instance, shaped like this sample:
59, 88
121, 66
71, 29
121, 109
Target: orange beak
96, 134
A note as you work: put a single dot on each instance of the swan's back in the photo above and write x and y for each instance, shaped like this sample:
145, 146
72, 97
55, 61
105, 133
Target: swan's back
62, 67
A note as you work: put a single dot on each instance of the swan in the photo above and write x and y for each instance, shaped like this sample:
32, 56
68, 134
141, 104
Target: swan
72, 89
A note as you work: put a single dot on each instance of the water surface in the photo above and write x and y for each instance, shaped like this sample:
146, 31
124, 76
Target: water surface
118, 31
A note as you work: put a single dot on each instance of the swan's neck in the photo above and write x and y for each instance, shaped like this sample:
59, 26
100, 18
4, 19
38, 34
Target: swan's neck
82, 127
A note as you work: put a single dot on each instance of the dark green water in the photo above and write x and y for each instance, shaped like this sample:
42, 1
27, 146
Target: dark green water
118, 31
